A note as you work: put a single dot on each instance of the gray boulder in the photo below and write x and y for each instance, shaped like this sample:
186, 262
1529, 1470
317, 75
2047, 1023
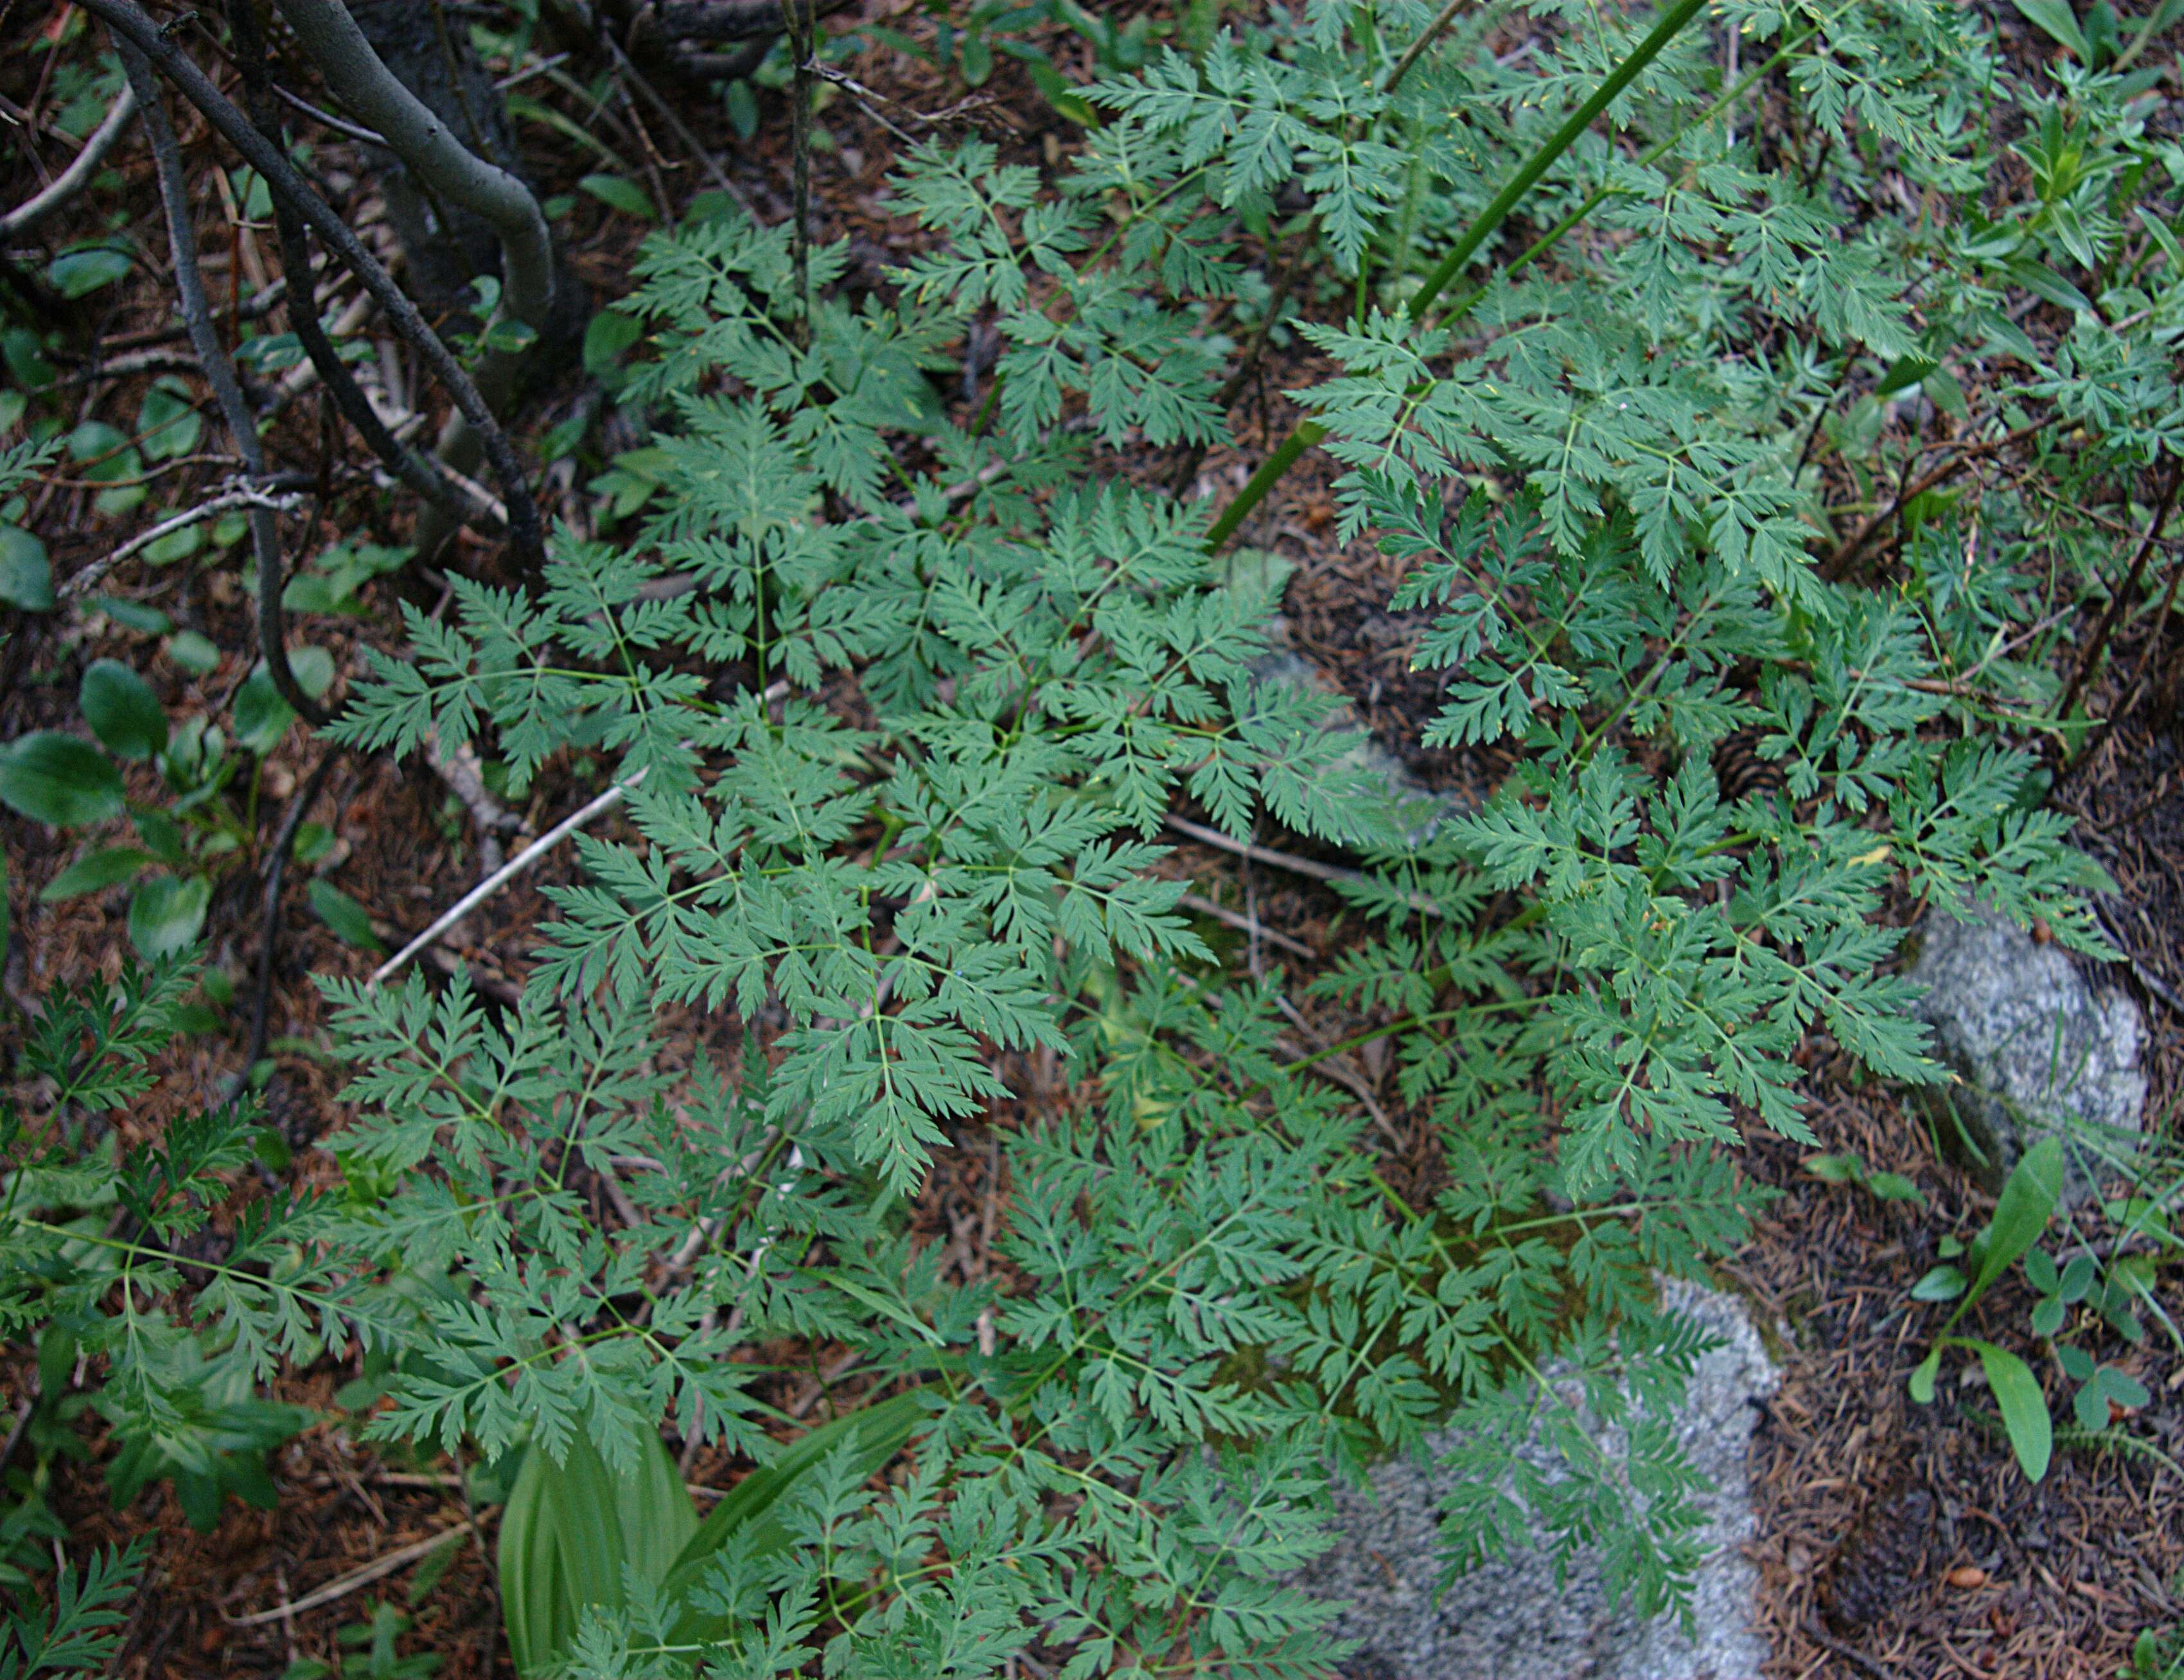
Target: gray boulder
2036, 1050
1512, 1619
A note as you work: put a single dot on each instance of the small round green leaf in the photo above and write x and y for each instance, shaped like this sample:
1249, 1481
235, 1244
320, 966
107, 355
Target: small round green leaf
168, 425
618, 193
26, 576
262, 717
122, 710
60, 778
1836, 1169
343, 914
132, 614
79, 272
1924, 1378
1943, 1283
167, 914
313, 668
161, 833
193, 652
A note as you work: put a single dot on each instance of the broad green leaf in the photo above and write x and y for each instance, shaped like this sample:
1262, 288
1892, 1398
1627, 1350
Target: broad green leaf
2023, 1408
167, 424
82, 269
122, 710
750, 1507
1909, 370
572, 1534
609, 337
166, 913
2060, 22
132, 614
60, 778
1941, 1283
2021, 1213
1924, 1378
161, 833
96, 872
1846, 1169
618, 193
343, 914
193, 652
261, 717
26, 576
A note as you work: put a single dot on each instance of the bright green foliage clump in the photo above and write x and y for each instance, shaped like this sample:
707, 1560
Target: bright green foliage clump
900, 703
925, 854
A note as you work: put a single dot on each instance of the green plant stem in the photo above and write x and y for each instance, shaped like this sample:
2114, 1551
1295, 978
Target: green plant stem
1545, 157
1309, 433
1653, 154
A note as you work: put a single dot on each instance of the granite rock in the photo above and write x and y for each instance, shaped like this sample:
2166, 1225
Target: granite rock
1512, 1619
2038, 1050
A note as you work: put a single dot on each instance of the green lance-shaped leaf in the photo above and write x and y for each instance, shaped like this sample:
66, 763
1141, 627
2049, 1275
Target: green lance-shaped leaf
572, 1534
752, 1507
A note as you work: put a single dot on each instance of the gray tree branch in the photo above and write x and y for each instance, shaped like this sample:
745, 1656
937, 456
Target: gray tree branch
220, 372
405, 463
129, 22
70, 180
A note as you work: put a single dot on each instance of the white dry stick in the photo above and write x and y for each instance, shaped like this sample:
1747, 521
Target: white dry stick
239, 495
515, 865
500, 877
65, 184
348, 1583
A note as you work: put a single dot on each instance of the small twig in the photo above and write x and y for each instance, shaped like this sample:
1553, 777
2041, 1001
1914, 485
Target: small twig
1880, 1671
23, 1408
2160, 627
405, 463
1854, 544
515, 865
1338, 1070
681, 129
1290, 861
1247, 924
500, 877
1232, 387
129, 21
861, 93
276, 874
220, 373
339, 125
70, 180
236, 496
258, 305
2155, 986
798, 16
342, 1586
1431, 33
2129, 588
465, 775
